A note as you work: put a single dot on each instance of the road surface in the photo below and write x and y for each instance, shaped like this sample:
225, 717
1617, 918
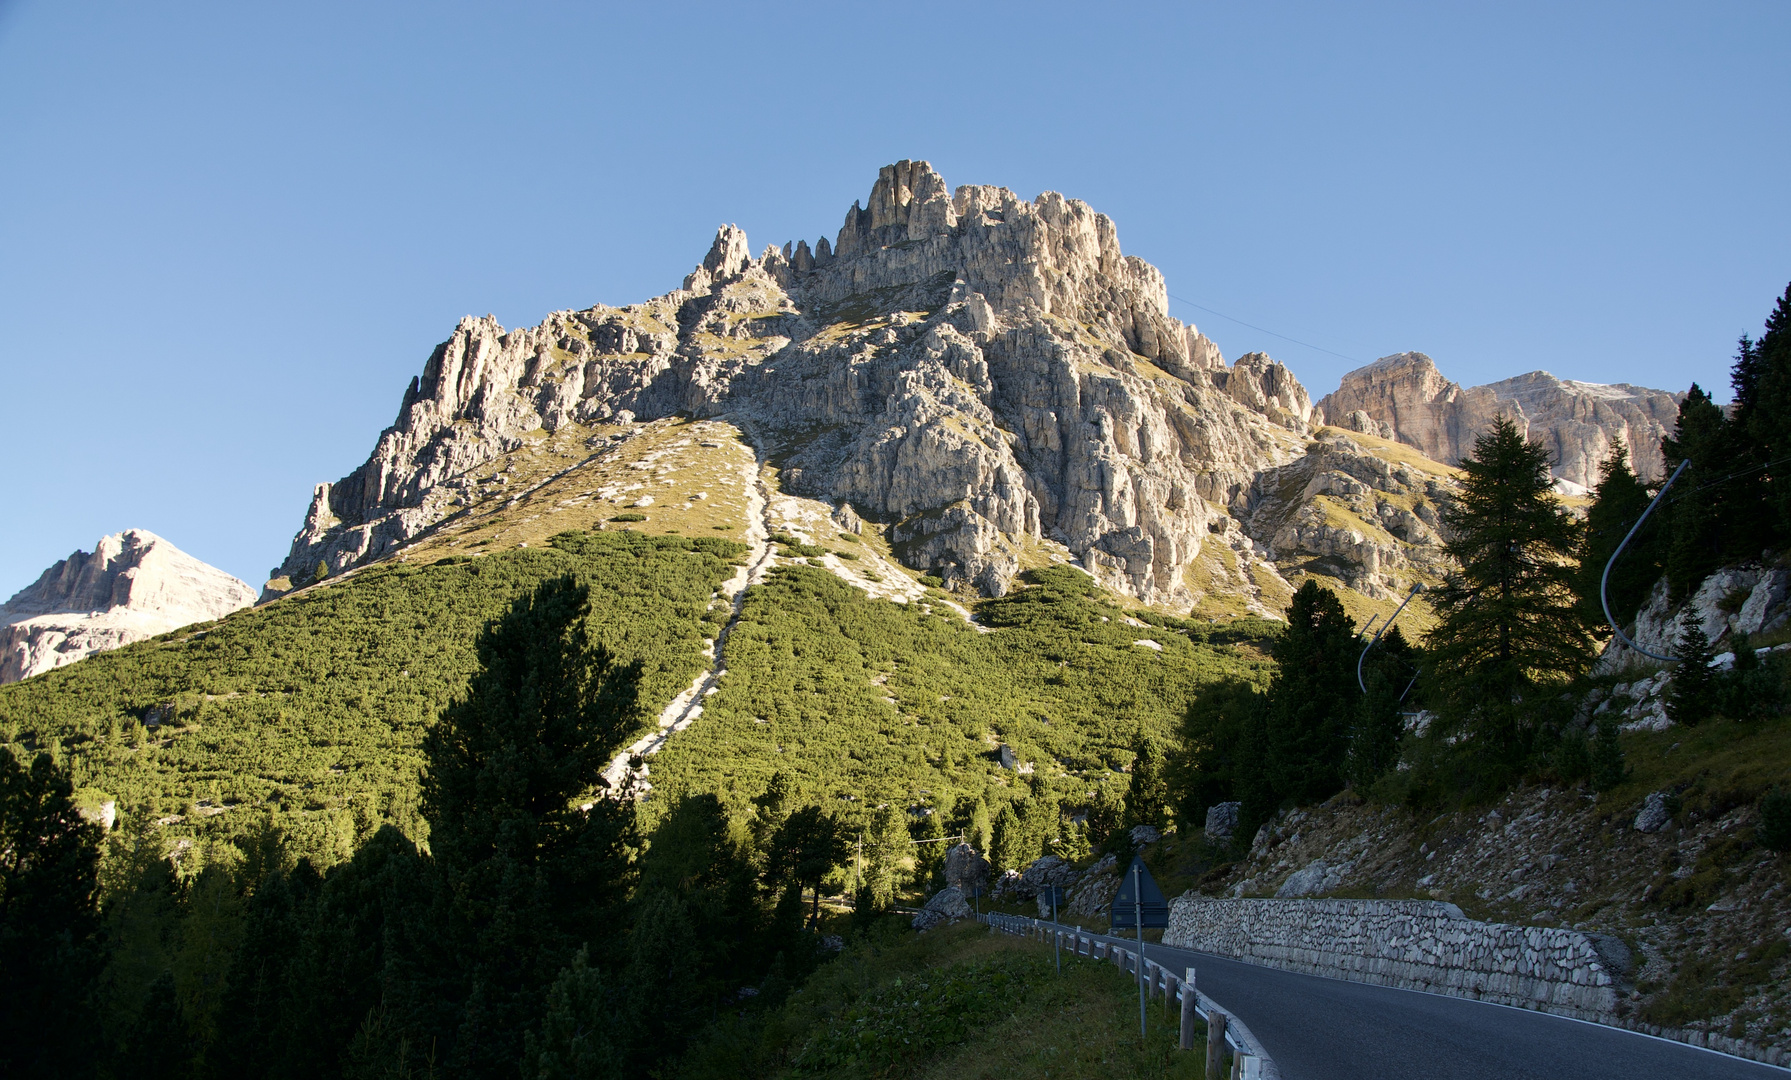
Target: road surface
1316, 1028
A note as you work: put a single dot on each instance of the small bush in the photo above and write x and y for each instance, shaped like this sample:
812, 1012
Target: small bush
932, 581
629, 517
1607, 756
1775, 820
1572, 760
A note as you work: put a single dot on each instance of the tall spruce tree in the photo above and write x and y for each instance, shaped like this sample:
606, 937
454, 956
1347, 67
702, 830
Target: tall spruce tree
1617, 504
1388, 671
1312, 698
1696, 511
530, 875
1213, 761
1691, 695
1767, 413
1508, 616
50, 950
1147, 793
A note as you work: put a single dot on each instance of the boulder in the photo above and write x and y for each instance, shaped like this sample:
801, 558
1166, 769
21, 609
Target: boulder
1096, 891
1654, 814
965, 869
1007, 886
1042, 874
946, 906
1314, 878
1144, 835
1222, 820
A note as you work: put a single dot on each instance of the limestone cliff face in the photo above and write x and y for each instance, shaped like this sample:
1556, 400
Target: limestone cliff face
132, 586
967, 368
1405, 397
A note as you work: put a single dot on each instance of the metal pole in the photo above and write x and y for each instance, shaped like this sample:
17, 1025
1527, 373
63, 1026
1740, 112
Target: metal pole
1604, 578
1056, 932
1138, 914
1376, 640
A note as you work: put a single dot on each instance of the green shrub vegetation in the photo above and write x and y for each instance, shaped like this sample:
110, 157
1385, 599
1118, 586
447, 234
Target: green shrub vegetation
864, 702
310, 712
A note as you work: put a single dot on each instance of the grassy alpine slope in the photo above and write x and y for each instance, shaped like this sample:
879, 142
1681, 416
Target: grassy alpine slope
310, 712
861, 702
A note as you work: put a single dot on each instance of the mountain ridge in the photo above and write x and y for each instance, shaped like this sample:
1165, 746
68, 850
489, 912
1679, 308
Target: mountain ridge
1405, 397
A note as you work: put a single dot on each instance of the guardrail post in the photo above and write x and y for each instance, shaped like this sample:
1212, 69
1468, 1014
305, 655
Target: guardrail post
1215, 1043
1189, 997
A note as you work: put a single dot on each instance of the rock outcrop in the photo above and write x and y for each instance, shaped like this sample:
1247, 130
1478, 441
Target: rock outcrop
1356, 508
967, 369
1405, 397
134, 585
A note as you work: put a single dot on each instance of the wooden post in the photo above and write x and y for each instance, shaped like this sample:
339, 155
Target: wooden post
1215, 1043
1188, 1017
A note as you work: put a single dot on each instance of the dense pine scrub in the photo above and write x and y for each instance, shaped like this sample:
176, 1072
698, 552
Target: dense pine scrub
862, 702
311, 711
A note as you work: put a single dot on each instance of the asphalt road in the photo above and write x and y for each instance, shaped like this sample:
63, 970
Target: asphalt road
1327, 1029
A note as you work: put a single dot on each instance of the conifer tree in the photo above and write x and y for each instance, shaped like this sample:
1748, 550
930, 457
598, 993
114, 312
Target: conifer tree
982, 834
1509, 618
1388, 670
1216, 761
886, 847
1608, 769
1695, 515
530, 875
1312, 698
1617, 504
1106, 815
50, 950
1004, 849
1691, 695
806, 849
1767, 413
1147, 794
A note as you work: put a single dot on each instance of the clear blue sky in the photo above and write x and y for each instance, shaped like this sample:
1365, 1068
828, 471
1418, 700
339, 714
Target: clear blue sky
230, 233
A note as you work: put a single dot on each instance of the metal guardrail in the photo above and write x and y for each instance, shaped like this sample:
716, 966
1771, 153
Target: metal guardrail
1249, 1060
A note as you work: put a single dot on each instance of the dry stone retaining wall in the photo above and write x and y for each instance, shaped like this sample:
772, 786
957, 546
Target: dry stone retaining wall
1414, 944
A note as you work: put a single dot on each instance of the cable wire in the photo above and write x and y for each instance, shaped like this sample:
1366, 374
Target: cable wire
1263, 330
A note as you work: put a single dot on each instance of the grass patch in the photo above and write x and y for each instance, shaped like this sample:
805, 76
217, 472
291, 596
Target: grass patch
956, 1002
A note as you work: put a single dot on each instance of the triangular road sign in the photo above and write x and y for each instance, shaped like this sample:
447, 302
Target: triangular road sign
1137, 885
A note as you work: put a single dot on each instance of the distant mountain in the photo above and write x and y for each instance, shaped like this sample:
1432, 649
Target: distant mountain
133, 585
1405, 397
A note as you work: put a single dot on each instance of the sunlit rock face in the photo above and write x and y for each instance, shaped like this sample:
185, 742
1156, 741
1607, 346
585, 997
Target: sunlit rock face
133, 585
969, 369
1405, 397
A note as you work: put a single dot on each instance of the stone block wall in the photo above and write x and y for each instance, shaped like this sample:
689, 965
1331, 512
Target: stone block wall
1414, 944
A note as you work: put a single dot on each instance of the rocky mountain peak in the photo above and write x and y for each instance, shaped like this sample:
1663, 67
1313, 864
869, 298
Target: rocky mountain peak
1405, 397
971, 371
133, 585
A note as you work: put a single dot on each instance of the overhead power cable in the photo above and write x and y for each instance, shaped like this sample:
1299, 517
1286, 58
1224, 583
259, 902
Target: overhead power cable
1263, 330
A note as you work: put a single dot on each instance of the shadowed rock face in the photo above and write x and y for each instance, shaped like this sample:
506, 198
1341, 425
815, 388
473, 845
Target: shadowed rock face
133, 585
967, 368
1405, 397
